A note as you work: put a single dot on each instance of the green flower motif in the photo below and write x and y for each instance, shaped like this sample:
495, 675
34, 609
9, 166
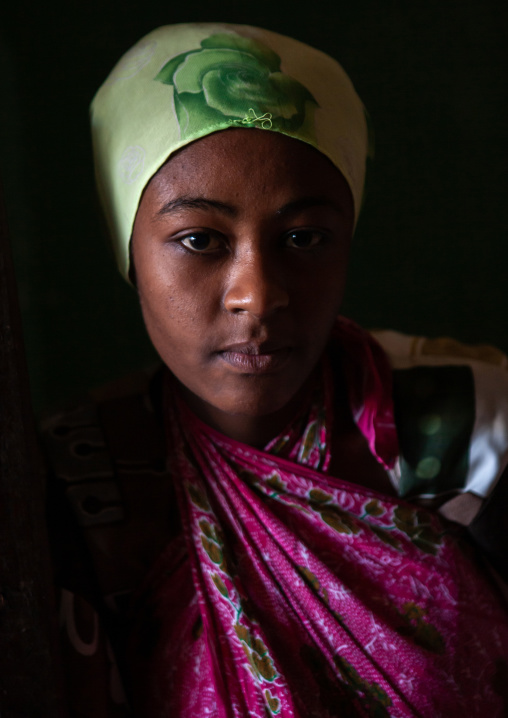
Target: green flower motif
236, 80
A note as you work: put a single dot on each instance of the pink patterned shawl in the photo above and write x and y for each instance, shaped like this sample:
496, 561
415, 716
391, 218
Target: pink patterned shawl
292, 593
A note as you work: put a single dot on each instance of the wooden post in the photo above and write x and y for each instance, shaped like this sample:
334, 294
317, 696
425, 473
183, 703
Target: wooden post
30, 682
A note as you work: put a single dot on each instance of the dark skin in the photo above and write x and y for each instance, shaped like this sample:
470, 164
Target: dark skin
240, 247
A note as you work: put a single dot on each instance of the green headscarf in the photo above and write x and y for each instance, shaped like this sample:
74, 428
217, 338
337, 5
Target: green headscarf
182, 82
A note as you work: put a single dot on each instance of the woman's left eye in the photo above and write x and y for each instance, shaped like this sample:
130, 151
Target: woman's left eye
303, 239
201, 242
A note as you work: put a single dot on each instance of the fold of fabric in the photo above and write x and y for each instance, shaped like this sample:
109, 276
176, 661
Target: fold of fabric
296, 594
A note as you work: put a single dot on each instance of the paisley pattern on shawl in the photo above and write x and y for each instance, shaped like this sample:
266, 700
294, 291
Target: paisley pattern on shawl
296, 594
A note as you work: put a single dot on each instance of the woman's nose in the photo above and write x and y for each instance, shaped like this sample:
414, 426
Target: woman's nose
255, 286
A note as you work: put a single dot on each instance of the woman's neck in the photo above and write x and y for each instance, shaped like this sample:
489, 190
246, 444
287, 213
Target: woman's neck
352, 459
256, 431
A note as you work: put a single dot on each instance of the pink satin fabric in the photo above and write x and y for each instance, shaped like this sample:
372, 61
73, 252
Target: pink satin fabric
292, 593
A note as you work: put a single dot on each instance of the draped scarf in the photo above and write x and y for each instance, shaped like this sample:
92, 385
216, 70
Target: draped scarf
293, 593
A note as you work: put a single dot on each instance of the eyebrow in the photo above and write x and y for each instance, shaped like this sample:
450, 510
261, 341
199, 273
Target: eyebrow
183, 203
193, 203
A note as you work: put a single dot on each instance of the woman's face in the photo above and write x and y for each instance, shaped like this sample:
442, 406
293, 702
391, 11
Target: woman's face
240, 248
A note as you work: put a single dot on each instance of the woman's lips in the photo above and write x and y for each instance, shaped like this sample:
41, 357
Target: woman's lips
253, 359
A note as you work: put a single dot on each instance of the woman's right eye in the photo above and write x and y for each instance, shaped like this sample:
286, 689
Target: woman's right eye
201, 242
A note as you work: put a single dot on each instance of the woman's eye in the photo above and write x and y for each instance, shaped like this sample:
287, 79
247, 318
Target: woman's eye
303, 239
201, 242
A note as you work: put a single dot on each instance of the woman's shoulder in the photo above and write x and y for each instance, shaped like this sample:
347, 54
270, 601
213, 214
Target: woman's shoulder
437, 407
108, 476
451, 412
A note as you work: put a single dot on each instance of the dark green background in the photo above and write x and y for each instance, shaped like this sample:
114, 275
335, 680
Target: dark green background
431, 250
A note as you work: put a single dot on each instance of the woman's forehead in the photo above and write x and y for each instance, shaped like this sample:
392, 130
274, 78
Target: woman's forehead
247, 157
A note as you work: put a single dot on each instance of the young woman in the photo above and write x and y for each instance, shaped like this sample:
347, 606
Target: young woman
253, 539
